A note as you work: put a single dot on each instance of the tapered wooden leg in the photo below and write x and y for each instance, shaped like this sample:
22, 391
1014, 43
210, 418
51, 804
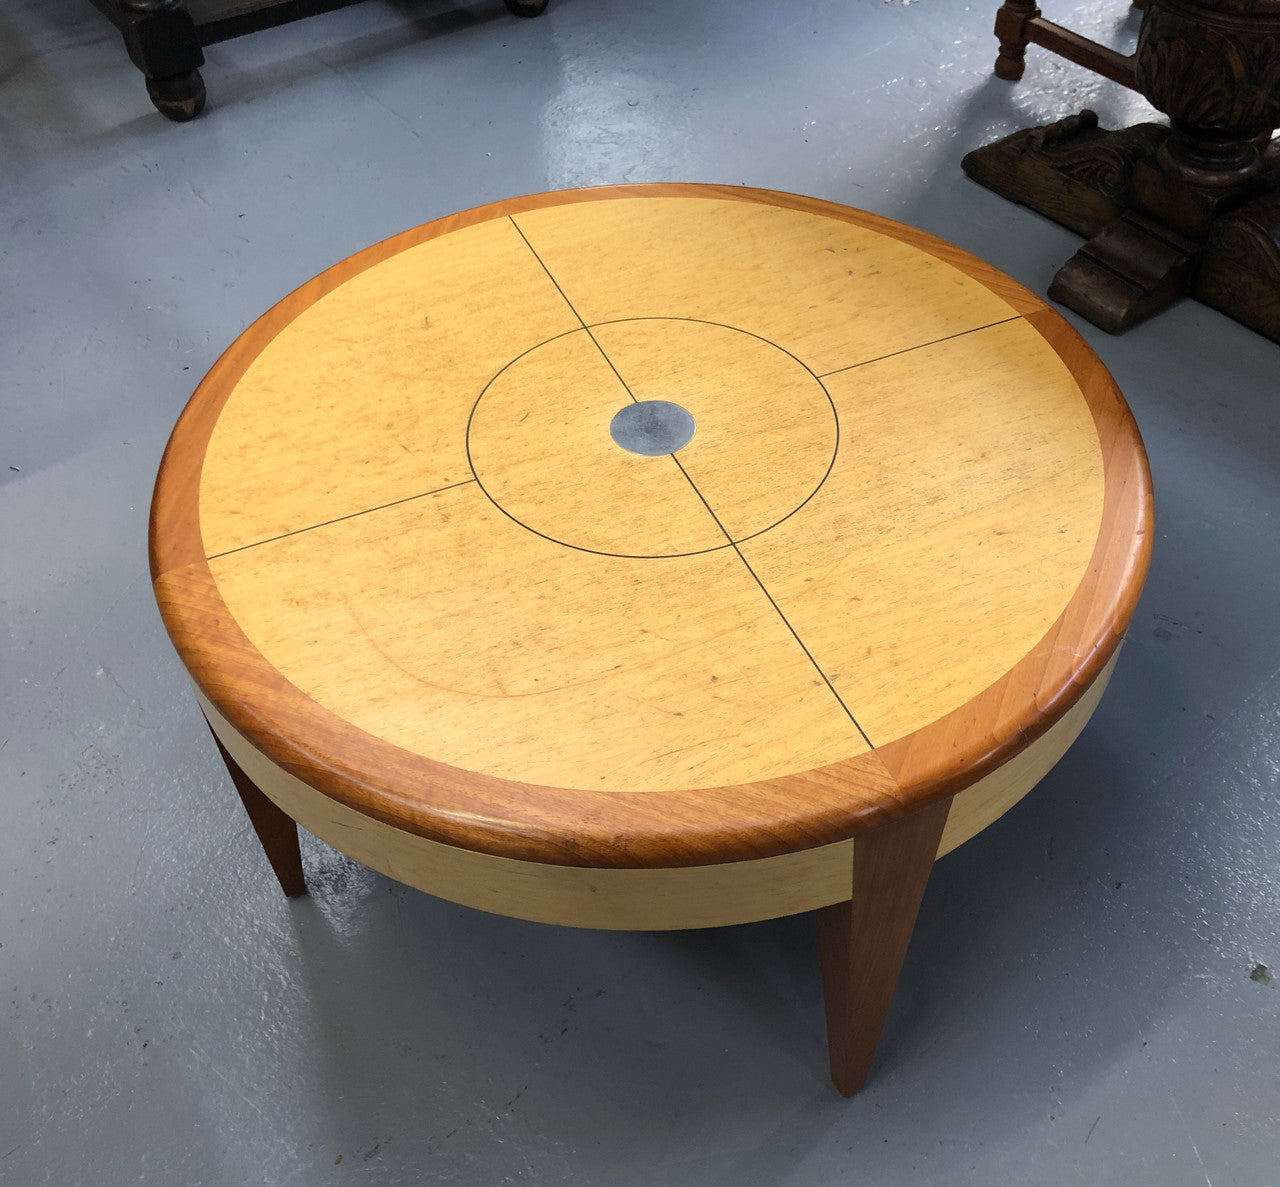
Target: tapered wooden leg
277, 831
864, 941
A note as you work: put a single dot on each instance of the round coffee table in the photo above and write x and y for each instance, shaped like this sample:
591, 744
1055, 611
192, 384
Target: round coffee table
654, 557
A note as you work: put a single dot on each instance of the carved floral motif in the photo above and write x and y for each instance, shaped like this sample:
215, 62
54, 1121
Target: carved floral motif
1214, 71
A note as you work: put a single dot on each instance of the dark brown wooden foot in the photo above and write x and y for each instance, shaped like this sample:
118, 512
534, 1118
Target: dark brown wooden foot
277, 831
180, 98
864, 941
1129, 271
526, 7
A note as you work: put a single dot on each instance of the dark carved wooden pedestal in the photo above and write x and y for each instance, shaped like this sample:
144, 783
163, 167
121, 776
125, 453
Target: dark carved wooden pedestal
1193, 208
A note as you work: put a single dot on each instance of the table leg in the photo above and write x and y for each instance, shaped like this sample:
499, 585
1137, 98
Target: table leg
277, 831
1011, 29
864, 941
164, 43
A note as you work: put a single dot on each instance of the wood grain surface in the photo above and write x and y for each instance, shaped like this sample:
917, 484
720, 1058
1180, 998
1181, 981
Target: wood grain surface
651, 899
399, 552
863, 939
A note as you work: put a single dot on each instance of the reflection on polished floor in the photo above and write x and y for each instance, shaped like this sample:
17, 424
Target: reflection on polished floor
1093, 989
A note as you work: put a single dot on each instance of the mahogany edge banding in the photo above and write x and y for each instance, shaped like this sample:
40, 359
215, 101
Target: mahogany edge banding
655, 829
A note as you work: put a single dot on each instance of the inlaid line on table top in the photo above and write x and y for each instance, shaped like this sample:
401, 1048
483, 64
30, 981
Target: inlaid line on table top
701, 497
362, 426
589, 329
773, 602
893, 354
572, 308
730, 541
340, 518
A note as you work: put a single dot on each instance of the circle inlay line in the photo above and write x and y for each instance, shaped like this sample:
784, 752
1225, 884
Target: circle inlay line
548, 397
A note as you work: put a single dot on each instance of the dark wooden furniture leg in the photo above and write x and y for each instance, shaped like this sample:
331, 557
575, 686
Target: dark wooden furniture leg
277, 831
163, 43
864, 941
1019, 24
1011, 28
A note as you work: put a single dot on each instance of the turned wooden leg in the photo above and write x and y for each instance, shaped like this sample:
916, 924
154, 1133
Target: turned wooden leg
1011, 27
276, 830
864, 941
164, 43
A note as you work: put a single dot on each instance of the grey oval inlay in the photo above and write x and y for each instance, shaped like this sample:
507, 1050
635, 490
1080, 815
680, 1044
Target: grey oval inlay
652, 428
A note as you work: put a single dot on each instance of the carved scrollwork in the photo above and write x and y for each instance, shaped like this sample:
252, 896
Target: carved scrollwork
1250, 237
1107, 166
1103, 163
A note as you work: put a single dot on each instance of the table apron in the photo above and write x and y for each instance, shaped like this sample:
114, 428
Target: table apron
635, 899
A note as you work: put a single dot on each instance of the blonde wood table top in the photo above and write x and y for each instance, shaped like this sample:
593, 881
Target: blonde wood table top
399, 548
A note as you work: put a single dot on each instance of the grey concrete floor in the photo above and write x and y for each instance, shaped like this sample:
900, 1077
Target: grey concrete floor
1082, 1001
